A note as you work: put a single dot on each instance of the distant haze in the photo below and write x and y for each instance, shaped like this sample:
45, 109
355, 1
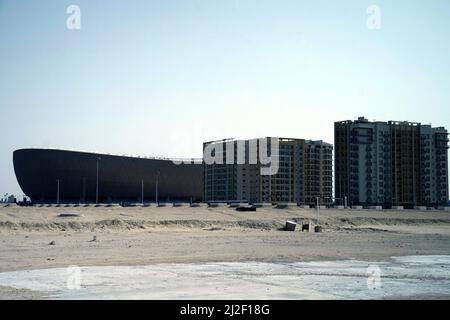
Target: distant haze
158, 78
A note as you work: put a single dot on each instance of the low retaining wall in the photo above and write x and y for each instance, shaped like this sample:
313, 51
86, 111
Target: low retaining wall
237, 204
285, 205
216, 204
263, 205
180, 204
197, 204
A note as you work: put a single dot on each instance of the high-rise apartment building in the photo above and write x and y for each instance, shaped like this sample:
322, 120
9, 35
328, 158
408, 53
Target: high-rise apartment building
304, 171
390, 163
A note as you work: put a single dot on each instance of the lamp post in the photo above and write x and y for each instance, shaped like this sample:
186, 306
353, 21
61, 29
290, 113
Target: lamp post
157, 181
96, 186
317, 206
57, 192
142, 191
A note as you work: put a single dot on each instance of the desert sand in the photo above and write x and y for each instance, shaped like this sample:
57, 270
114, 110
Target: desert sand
40, 238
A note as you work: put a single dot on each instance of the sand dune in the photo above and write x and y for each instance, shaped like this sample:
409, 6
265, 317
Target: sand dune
122, 219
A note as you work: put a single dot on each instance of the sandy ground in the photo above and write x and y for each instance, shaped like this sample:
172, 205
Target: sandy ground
143, 236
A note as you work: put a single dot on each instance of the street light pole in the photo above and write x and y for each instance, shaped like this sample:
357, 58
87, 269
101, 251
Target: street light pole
57, 192
317, 206
157, 178
142, 191
96, 187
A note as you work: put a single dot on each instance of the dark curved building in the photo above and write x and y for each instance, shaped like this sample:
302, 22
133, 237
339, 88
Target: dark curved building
43, 174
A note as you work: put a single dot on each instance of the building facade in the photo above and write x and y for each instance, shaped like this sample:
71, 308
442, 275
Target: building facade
390, 163
304, 171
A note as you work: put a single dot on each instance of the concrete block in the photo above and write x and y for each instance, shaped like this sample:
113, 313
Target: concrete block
217, 204
398, 208
138, 204
420, 208
198, 204
285, 205
290, 226
339, 207
180, 204
304, 206
263, 205
375, 208
444, 208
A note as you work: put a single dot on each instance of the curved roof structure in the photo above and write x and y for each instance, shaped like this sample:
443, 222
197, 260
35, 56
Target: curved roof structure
43, 174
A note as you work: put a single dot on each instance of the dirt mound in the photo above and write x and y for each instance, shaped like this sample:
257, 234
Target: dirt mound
125, 224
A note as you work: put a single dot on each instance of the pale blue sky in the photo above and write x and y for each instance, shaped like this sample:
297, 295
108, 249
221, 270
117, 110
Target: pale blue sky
160, 77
